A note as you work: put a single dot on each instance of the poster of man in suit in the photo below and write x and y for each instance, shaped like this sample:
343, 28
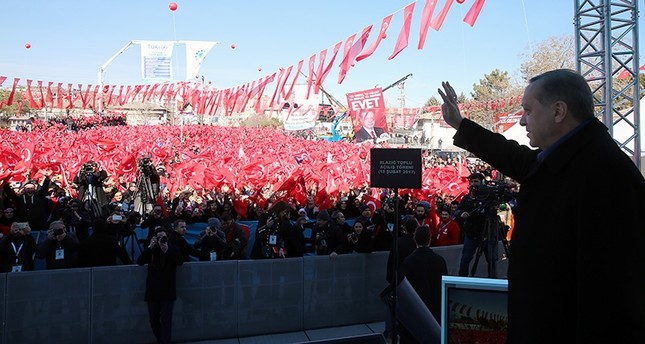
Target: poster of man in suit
367, 110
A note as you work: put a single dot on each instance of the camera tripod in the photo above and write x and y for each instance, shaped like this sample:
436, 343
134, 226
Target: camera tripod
145, 196
492, 233
129, 239
91, 204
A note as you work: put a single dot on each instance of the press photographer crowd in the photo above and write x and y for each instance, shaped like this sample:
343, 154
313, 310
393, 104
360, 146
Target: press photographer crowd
90, 222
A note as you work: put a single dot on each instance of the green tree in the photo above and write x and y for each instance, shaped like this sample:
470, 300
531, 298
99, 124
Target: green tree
8, 111
495, 86
433, 101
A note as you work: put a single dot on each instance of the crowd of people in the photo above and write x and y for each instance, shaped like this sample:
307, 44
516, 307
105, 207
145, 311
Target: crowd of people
90, 222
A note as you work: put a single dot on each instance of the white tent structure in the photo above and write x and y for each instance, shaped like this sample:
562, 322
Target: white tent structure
517, 133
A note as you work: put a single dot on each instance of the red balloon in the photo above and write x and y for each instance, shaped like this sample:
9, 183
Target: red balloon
27, 45
232, 46
460, 1
173, 6
384, 36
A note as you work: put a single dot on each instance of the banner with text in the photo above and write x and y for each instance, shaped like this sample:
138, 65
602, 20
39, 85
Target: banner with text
396, 168
367, 110
298, 112
156, 60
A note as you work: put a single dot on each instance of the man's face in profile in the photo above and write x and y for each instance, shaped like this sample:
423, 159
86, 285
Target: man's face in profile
538, 118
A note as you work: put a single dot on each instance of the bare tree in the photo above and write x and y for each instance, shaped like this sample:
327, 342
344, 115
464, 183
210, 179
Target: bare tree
553, 53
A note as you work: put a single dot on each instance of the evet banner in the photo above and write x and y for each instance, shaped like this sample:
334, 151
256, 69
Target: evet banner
367, 110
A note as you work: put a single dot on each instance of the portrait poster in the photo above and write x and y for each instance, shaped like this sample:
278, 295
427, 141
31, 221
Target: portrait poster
367, 111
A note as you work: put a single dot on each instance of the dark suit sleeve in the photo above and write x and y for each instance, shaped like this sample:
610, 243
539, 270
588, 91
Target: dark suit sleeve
509, 157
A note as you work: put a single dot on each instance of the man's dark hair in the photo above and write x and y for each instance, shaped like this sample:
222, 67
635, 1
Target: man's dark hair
568, 86
410, 225
177, 222
226, 217
422, 236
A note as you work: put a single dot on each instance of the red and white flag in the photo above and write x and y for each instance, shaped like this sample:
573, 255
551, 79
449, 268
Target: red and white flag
473, 13
354, 50
322, 75
438, 20
385, 24
402, 41
426, 16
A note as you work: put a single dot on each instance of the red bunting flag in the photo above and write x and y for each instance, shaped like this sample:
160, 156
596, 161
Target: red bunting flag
426, 16
310, 77
354, 50
385, 24
402, 41
2, 79
295, 78
42, 96
59, 96
438, 20
321, 64
321, 76
30, 97
50, 95
473, 13
13, 91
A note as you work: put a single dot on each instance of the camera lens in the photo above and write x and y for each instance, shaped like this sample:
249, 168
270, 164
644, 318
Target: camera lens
163, 239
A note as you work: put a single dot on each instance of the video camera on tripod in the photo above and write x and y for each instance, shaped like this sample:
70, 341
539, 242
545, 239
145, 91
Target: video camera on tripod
493, 192
145, 166
491, 196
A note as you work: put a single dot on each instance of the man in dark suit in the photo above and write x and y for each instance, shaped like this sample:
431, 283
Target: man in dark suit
161, 283
368, 131
423, 268
564, 243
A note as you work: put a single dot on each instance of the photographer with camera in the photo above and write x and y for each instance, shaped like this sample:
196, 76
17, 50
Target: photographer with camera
76, 219
269, 237
361, 239
211, 242
473, 213
60, 249
153, 219
17, 249
89, 185
162, 259
328, 238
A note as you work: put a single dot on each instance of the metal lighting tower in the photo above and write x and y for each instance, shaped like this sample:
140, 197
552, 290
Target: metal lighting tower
606, 45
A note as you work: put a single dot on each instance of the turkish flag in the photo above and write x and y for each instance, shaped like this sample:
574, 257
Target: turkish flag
321, 76
30, 97
385, 24
402, 41
372, 202
426, 16
438, 20
13, 91
295, 78
473, 13
310, 77
350, 55
105, 144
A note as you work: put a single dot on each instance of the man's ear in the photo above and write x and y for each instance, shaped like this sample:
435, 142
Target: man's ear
560, 111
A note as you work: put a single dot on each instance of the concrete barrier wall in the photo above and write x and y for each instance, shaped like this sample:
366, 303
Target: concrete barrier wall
223, 299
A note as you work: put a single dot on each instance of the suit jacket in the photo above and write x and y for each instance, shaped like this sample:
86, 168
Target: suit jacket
577, 255
363, 135
161, 282
423, 268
